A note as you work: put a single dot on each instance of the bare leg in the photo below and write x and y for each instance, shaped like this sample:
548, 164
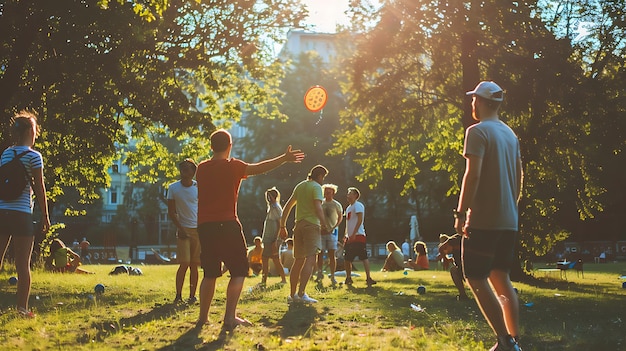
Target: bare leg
294, 277
207, 290
457, 278
348, 266
305, 273
280, 269
180, 278
366, 265
320, 262
508, 300
23, 251
193, 279
235, 285
489, 305
266, 264
332, 263
5, 240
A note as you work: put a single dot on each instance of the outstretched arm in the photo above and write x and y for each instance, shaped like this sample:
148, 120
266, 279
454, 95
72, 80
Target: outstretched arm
268, 165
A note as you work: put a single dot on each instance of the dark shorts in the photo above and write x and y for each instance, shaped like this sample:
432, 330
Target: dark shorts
487, 250
354, 250
270, 249
16, 223
223, 242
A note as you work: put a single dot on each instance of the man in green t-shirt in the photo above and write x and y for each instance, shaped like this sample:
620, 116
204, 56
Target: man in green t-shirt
310, 221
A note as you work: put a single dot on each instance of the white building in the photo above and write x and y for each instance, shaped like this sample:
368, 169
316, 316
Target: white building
300, 41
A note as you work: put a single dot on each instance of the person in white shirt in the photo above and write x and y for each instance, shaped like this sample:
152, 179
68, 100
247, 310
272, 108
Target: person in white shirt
182, 209
355, 236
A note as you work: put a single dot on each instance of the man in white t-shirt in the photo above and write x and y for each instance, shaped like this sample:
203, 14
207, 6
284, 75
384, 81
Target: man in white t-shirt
355, 236
182, 208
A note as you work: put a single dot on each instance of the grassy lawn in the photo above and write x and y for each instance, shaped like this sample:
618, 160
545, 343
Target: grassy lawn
136, 313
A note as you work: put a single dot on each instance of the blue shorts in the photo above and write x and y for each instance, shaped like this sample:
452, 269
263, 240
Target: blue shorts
223, 242
329, 241
487, 250
16, 223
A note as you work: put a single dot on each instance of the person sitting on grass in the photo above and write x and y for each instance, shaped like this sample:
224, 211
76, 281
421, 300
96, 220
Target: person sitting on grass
452, 247
286, 257
63, 259
255, 256
421, 260
395, 258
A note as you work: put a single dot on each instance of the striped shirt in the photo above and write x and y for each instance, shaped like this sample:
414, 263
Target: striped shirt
31, 161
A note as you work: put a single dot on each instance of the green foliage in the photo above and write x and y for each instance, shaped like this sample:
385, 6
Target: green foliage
44, 245
95, 72
406, 94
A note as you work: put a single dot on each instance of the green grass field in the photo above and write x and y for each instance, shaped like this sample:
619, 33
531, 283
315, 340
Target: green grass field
136, 313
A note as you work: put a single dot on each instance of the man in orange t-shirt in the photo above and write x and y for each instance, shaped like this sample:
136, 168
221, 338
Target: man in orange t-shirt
219, 229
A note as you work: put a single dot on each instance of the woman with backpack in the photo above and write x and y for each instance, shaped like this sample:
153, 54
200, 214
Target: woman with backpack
16, 213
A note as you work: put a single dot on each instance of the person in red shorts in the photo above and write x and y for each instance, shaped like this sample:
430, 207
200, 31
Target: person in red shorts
219, 229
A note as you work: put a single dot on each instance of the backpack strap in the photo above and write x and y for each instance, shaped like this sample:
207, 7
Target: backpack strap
18, 156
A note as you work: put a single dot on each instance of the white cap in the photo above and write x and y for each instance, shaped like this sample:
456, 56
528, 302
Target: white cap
488, 90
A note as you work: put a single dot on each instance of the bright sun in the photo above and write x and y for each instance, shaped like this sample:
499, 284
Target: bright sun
324, 15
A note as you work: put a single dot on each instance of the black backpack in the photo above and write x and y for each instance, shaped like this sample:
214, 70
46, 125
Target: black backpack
13, 178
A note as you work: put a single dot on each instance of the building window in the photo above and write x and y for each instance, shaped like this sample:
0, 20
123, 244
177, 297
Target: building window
114, 195
115, 168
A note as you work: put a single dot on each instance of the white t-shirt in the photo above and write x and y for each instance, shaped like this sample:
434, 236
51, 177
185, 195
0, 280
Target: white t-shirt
186, 199
352, 218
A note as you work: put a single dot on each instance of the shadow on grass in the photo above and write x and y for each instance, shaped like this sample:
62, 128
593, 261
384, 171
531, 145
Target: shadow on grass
188, 341
160, 311
298, 320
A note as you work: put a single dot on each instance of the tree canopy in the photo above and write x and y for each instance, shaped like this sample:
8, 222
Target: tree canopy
100, 73
406, 99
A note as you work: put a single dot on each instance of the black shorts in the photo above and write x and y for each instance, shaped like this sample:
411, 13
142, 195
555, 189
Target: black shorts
16, 223
487, 250
354, 250
223, 242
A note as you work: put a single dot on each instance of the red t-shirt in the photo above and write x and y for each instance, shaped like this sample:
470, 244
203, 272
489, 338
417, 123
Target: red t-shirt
218, 189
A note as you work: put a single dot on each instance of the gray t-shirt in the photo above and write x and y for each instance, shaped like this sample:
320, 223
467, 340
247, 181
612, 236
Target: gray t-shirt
332, 211
495, 203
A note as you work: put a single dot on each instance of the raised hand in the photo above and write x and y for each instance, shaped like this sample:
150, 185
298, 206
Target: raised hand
294, 155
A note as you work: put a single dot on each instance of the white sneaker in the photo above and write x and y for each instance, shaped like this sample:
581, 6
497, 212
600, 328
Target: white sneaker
306, 299
293, 299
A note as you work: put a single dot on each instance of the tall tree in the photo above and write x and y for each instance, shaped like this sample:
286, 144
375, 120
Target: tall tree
406, 97
101, 72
